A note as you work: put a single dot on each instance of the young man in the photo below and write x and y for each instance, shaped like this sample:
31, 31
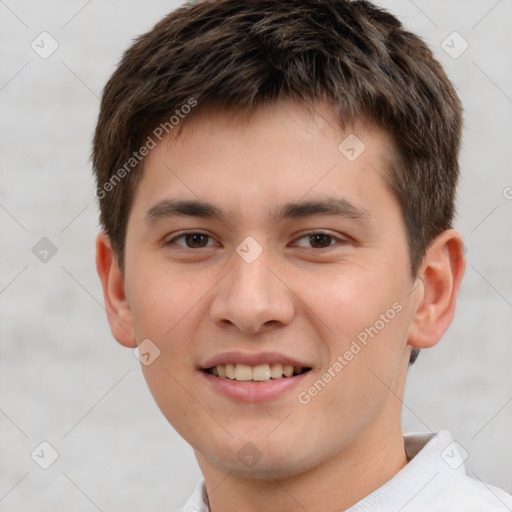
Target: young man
276, 185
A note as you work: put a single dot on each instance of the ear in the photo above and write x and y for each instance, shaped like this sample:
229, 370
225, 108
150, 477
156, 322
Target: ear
437, 289
116, 303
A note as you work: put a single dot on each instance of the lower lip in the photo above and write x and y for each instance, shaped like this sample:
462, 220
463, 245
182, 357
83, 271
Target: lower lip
251, 391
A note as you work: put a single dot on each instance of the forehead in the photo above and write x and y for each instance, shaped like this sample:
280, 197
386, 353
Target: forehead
279, 154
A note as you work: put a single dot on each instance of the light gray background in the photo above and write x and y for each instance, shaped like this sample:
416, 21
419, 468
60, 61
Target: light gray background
63, 378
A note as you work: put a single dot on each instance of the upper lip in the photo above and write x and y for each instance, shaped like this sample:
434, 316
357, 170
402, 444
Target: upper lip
252, 359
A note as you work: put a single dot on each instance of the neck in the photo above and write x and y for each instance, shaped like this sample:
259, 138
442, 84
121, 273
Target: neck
335, 484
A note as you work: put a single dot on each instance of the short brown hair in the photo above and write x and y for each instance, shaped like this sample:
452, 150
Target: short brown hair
242, 54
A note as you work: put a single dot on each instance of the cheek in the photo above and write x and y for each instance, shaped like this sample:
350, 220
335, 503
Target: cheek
362, 320
169, 322
348, 302
162, 298
169, 388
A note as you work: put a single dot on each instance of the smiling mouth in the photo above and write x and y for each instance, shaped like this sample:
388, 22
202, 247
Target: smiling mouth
259, 373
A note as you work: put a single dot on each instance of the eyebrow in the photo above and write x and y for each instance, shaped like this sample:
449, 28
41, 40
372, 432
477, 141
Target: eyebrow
193, 208
196, 208
329, 206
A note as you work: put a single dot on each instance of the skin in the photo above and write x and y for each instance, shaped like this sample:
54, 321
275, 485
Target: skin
307, 298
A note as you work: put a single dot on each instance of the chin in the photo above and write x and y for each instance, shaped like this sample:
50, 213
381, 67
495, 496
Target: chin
260, 464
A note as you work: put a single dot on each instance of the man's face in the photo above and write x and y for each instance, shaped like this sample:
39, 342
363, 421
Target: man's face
253, 247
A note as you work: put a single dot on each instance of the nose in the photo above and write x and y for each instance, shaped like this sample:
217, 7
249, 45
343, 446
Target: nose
253, 297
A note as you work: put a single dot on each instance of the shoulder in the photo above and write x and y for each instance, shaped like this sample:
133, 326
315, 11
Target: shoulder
451, 488
470, 495
434, 480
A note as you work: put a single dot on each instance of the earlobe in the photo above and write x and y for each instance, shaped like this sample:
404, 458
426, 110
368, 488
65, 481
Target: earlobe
116, 303
441, 274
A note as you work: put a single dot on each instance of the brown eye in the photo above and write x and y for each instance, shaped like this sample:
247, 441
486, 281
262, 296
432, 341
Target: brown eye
320, 240
192, 240
196, 240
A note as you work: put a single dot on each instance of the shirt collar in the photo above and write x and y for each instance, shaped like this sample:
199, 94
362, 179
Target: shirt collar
434, 463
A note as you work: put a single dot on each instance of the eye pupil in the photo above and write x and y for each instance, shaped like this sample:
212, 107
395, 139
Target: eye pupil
195, 240
319, 239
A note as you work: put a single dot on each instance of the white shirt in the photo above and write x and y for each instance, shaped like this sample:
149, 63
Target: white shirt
434, 480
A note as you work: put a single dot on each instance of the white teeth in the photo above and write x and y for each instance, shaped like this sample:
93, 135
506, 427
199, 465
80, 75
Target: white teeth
260, 373
243, 372
288, 370
230, 371
276, 370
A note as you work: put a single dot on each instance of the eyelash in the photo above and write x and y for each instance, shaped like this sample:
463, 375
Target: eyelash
309, 234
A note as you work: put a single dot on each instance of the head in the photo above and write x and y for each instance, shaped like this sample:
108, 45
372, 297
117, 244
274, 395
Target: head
276, 184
